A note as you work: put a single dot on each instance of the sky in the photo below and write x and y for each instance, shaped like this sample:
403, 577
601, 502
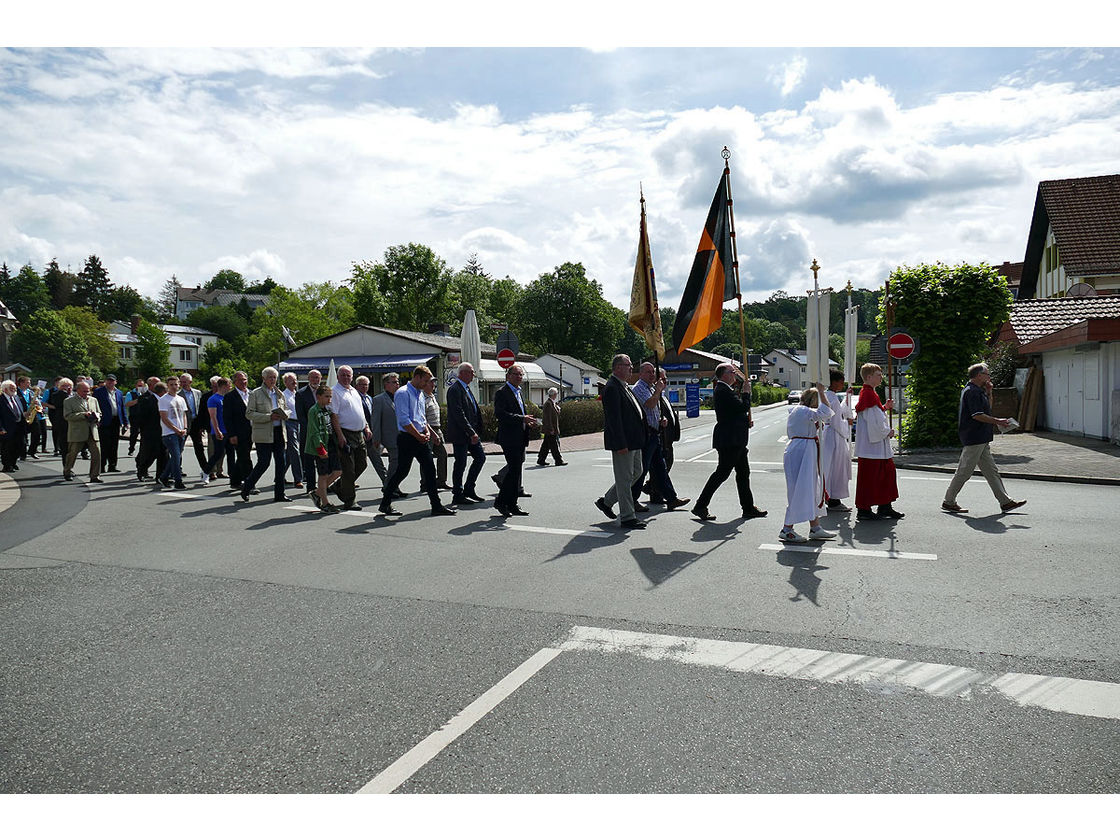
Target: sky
167, 157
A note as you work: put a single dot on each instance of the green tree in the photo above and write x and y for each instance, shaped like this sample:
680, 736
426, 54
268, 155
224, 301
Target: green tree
50, 346
952, 311
265, 287
227, 278
223, 321
315, 311
60, 285
93, 286
153, 352
470, 289
564, 312
102, 350
168, 298
502, 306
221, 359
25, 293
775, 336
124, 302
413, 283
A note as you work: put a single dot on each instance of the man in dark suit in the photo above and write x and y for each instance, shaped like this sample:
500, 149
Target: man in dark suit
239, 429
11, 426
729, 439
464, 428
624, 436
514, 423
305, 398
146, 414
114, 422
670, 434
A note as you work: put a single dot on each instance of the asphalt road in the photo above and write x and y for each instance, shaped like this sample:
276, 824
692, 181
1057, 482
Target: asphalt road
161, 642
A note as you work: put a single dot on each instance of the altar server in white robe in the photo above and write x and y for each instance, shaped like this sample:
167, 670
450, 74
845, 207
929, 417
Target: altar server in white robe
802, 460
836, 456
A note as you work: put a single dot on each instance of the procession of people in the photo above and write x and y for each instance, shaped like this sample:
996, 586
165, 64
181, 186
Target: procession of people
325, 436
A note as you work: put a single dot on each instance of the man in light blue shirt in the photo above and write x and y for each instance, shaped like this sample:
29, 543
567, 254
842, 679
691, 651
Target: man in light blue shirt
412, 442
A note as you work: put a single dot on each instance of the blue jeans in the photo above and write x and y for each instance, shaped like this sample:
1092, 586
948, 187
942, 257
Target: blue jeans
174, 446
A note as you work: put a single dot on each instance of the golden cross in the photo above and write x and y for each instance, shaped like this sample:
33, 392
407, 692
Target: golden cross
815, 268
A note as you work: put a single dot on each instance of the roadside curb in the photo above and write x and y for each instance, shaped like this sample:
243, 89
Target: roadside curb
1070, 479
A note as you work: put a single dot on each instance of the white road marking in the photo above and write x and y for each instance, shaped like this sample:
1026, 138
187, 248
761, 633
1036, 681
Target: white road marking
701, 455
165, 493
783, 439
1060, 694
854, 552
401, 770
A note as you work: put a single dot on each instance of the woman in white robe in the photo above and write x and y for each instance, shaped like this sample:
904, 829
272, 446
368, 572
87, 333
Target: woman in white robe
836, 454
802, 462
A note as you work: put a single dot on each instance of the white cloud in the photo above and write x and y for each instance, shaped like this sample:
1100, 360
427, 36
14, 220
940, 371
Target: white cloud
788, 76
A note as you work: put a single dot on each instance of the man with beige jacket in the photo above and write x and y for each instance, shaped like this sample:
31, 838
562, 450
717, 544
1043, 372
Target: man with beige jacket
82, 414
267, 411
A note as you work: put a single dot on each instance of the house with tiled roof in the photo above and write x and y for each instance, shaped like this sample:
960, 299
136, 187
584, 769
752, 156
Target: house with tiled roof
576, 377
1013, 272
8, 325
790, 368
188, 300
1073, 246
187, 344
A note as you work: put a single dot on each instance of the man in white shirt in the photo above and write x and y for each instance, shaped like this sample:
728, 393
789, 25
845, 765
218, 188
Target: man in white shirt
173, 419
348, 420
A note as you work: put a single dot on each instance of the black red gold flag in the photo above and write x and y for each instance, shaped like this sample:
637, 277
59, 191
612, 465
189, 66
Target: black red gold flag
712, 280
644, 316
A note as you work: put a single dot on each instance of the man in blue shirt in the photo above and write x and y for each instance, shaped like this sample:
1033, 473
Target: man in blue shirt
412, 442
977, 427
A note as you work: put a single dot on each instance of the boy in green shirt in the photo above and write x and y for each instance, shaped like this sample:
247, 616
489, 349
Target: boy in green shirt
321, 443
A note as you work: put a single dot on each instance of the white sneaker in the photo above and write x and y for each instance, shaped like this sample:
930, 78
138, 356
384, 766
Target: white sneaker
791, 536
820, 533
205, 478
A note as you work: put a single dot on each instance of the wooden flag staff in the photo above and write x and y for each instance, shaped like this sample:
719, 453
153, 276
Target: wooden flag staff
726, 155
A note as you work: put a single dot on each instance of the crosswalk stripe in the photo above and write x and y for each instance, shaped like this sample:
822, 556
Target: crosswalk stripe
855, 552
1060, 694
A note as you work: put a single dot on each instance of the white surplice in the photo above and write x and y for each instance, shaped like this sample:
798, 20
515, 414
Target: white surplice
802, 463
836, 457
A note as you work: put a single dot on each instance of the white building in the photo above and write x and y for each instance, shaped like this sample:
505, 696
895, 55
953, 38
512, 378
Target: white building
574, 377
187, 344
790, 368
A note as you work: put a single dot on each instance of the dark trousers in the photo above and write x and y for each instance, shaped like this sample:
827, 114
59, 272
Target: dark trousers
197, 445
731, 458
151, 450
241, 460
269, 452
133, 434
511, 481
409, 448
58, 431
110, 440
550, 446
39, 437
9, 451
656, 491
353, 461
653, 463
478, 458
292, 459
215, 459
306, 461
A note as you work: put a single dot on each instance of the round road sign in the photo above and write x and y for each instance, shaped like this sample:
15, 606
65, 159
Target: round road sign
506, 358
900, 346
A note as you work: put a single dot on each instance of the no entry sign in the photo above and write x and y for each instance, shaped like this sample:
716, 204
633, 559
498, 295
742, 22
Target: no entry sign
506, 358
901, 346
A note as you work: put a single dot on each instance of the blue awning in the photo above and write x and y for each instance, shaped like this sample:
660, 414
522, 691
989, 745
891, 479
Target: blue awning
303, 364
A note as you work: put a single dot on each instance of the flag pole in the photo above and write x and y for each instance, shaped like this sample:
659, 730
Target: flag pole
649, 278
726, 155
815, 267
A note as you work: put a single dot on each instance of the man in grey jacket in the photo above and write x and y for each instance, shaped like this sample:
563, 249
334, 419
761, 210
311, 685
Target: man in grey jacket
384, 428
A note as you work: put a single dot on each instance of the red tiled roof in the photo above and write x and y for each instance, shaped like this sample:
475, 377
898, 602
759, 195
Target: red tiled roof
1085, 216
1032, 319
1012, 271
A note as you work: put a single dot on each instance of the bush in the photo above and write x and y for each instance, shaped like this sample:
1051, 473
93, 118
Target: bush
1002, 360
767, 394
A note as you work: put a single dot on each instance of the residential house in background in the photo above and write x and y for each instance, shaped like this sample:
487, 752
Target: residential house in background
8, 324
189, 300
575, 378
187, 344
790, 368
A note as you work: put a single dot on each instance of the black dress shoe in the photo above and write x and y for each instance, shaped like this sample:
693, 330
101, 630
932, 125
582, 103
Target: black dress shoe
244, 496
388, 510
497, 483
676, 503
112, 469
443, 511
888, 512
632, 524
460, 499
601, 503
702, 514
180, 485
521, 494
68, 477
502, 509
283, 499
516, 511
753, 513
474, 497
98, 480
561, 463
399, 495
542, 463
353, 506
641, 508
867, 514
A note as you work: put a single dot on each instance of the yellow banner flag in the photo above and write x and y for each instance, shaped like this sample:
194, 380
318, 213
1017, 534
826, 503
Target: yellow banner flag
645, 317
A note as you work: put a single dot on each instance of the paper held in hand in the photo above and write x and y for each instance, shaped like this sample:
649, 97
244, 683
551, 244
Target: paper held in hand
1012, 424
